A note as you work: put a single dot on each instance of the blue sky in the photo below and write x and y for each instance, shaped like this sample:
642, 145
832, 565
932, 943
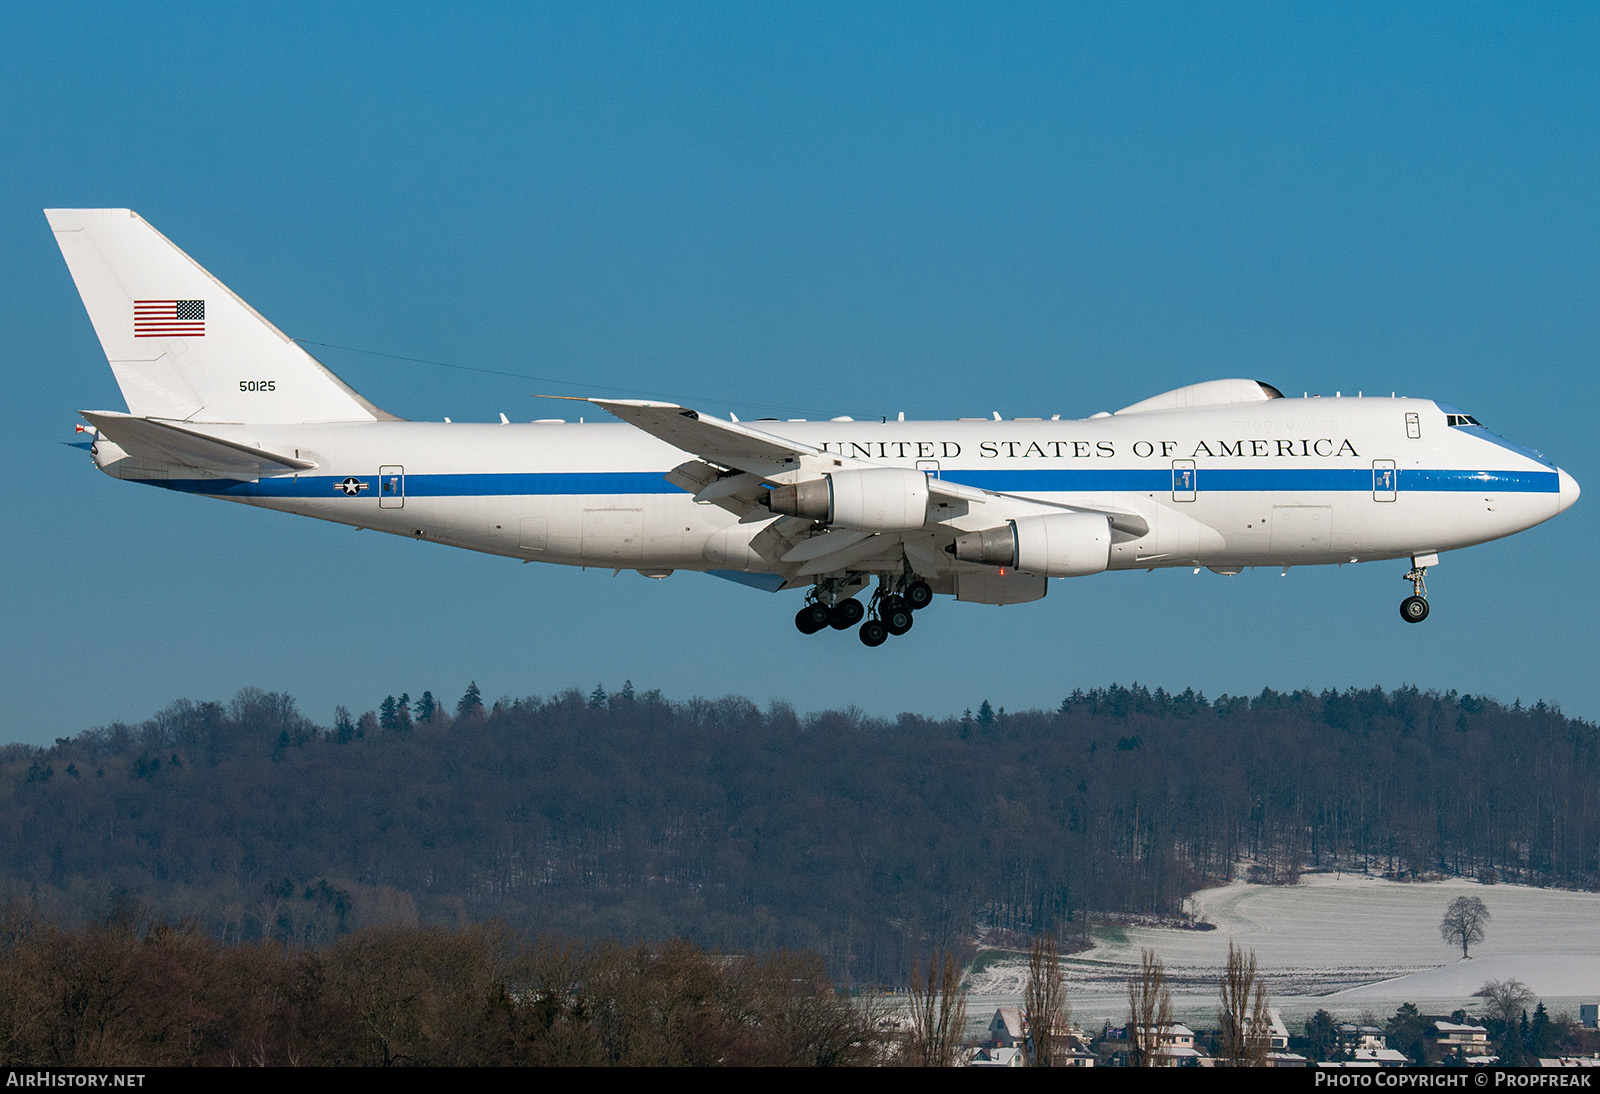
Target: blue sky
816, 209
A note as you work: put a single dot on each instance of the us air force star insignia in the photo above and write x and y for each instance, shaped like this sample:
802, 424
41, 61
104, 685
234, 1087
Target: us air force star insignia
350, 485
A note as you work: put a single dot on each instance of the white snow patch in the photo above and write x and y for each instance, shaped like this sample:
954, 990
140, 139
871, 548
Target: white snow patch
1547, 975
1349, 941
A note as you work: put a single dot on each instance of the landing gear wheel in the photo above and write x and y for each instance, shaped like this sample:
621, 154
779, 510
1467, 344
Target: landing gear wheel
812, 618
897, 619
918, 595
846, 614
1413, 609
874, 633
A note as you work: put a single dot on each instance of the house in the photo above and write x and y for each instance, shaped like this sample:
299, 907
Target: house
1175, 1046
989, 1056
1460, 1039
1278, 1036
1353, 1038
1076, 1056
1007, 1029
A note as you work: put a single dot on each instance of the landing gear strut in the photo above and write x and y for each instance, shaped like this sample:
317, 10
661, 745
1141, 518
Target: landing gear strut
891, 611
830, 605
1414, 608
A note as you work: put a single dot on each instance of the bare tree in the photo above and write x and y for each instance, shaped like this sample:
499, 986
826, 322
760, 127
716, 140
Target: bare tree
1149, 1010
1245, 1024
1507, 1000
1045, 1001
1463, 923
938, 1011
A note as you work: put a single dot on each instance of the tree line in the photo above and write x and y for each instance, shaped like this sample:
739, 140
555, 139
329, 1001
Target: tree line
749, 829
125, 993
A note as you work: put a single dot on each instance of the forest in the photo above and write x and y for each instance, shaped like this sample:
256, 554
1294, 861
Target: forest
748, 829
122, 993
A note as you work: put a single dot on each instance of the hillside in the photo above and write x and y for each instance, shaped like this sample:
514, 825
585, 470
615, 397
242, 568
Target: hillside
633, 816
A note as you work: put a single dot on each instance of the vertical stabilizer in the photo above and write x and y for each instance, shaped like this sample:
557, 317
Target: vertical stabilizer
182, 345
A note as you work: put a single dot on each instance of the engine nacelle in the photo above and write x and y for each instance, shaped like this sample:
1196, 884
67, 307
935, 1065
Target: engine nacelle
878, 499
1057, 545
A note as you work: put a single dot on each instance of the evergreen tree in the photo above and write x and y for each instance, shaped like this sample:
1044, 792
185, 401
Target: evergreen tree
597, 697
985, 714
1541, 1033
1406, 1031
426, 707
1321, 1036
471, 704
386, 715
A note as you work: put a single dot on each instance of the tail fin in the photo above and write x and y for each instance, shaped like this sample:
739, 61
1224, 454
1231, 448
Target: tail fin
183, 346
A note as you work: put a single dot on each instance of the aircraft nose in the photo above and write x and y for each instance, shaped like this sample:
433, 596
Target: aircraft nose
1569, 490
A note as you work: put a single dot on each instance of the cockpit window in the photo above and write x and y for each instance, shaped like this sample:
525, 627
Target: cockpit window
1462, 419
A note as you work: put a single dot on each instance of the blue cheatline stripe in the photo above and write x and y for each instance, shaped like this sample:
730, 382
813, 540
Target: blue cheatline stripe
437, 486
1494, 482
1229, 480
1109, 480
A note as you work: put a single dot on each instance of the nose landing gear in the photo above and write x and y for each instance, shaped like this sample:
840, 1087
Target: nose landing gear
1414, 608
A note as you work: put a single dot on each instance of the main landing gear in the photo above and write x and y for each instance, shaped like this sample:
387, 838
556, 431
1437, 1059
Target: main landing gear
818, 614
1414, 608
890, 613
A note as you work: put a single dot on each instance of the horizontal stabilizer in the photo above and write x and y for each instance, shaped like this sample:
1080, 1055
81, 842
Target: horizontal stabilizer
173, 444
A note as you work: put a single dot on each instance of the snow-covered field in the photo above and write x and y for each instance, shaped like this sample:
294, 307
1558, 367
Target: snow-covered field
1349, 943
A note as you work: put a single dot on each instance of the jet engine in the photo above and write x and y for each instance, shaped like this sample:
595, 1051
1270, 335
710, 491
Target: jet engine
877, 499
1056, 545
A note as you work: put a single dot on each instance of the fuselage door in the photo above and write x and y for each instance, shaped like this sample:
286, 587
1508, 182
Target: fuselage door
1184, 487
613, 535
1385, 481
391, 486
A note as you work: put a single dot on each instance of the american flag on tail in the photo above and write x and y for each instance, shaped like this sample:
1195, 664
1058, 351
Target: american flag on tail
169, 318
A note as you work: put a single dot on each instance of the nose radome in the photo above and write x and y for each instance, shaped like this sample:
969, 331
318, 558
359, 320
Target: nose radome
1569, 489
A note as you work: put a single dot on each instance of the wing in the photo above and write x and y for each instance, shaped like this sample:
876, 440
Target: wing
737, 465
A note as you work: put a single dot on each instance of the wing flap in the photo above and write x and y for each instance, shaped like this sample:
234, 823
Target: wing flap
730, 444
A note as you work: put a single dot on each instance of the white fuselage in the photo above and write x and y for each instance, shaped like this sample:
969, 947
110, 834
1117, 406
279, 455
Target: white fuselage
1282, 482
